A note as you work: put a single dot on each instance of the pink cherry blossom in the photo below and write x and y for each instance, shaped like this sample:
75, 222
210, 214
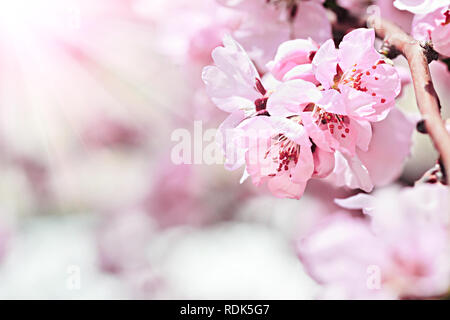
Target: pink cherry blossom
335, 116
435, 27
357, 87
280, 155
323, 115
269, 23
405, 245
391, 143
420, 6
367, 84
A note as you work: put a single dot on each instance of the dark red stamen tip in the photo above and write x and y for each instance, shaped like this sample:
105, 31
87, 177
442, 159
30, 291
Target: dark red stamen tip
260, 104
260, 87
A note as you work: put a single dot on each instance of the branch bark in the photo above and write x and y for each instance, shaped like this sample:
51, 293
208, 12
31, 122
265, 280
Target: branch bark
426, 97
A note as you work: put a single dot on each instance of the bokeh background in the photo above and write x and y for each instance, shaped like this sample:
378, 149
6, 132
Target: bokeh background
91, 205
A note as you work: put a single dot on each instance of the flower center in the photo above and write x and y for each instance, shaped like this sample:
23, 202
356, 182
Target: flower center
334, 123
357, 78
283, 152
260, 104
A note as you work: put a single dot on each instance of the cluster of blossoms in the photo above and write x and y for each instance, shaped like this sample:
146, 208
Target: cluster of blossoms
315, 107
400, 249
303, 107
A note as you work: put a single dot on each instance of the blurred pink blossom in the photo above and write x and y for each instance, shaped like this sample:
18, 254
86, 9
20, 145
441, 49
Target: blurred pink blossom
402, 253
122, 238
267, 24
176, 196
189, 195
107, 132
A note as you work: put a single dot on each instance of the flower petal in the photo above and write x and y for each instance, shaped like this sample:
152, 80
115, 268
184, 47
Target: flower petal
324, 64
291, 97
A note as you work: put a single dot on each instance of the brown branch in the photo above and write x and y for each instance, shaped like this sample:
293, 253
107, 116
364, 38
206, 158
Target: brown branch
426, 97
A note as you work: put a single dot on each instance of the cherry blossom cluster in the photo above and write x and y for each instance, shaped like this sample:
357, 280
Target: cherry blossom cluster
314, 107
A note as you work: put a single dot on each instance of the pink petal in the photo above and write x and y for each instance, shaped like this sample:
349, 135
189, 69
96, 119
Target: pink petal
357, 47
358, 104
291, 97
390, 144
332, 102
291, 130
231, 83
441, 39
361, 201
324, 64
350, 172
231, 141
303, 72
323, 163
312, 22
322, 138
364, 134
305, 166
282, 187
225, 92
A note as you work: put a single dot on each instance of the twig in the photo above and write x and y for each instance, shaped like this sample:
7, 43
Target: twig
426, 97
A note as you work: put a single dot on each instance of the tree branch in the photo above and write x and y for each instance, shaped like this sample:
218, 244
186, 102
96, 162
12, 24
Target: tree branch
426, 97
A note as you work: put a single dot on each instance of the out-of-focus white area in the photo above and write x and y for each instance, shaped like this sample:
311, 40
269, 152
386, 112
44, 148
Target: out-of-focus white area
231, 260
43, 253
